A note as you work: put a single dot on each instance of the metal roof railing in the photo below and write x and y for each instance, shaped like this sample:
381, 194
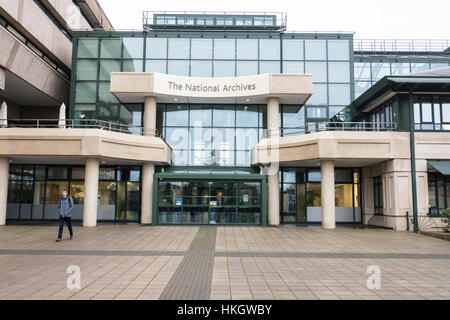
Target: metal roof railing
332, 126
214, 20
400, 45
77, 124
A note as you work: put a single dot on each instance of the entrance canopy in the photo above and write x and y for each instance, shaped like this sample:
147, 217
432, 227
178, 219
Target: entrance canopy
441, 166
288, 88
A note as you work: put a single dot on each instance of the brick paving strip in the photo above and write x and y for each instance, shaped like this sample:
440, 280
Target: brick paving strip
192, 279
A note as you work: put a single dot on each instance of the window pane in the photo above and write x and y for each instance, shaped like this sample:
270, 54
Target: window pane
200, 116
318, 71
247, 68
179, 157
200, 138
178, 67
110, 48
313, 195
320, 95
178, 48
293, 67
247, 49
269, 49
108, 66
243, 158
223, 116
223, 138
133, 48
446, 112
177, 115
133, 66
87, 48
417, 113
86, 92
427, 112
317, 112
247, 116
361, 87
338, 50
155, 66
269, 67
224, 68
419, 66
201, 68
177, 138
201, 49
437, 113
85, 111
54, 190
438, 65
87, 70
362, 71
293, 116
104, 93
379, 70
224, 48
292, 49
339, 71
339, 94
343, 195
315, 49
399, 68
156, 48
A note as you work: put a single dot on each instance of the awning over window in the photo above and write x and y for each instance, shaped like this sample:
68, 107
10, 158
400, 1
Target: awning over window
441, 166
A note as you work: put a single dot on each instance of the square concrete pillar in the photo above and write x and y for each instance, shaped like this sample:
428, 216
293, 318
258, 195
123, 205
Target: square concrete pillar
4, 172
91, 192
328, 197
150, 116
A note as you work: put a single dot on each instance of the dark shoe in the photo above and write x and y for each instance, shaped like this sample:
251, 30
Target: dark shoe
58, 240
71, 237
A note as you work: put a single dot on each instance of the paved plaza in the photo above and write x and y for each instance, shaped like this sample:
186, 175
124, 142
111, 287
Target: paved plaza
183, 262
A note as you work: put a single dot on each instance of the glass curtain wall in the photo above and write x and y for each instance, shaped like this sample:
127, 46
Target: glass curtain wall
368, 72
34, 192
300, 190
328, 59
211, 135
432, 115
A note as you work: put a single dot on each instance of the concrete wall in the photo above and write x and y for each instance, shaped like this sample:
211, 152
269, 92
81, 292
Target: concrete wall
70, 144
24, 63
397, 183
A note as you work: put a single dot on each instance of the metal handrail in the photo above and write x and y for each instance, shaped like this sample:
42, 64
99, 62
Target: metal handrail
332, 126
148, 17
78, 124
398, 45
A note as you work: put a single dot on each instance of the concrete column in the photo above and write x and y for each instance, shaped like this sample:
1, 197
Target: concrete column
148, 170
327, 187
273, 189
273, 198
149, 116
273, 110
4, 171
90, 193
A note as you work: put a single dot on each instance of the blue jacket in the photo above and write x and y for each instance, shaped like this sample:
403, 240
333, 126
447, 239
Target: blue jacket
65, 207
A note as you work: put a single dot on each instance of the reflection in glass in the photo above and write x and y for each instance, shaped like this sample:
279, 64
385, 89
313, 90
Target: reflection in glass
156, 48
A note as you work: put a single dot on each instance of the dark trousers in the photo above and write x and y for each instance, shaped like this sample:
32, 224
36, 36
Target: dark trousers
61, 226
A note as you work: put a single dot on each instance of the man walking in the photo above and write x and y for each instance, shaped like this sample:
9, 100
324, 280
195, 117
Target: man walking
65, 207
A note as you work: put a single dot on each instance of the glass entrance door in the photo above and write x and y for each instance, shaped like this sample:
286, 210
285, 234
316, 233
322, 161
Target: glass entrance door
209, 202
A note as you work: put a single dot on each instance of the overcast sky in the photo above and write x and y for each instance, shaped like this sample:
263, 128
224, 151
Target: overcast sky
370, 19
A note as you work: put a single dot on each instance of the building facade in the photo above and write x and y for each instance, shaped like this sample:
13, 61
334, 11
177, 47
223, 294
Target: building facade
230, 119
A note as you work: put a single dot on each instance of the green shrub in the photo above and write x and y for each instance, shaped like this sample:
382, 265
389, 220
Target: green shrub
446, 219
